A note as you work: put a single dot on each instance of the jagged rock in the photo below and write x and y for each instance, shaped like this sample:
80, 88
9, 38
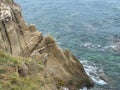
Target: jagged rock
20, 39
32, 28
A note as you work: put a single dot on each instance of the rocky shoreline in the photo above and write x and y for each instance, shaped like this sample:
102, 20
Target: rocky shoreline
20, 39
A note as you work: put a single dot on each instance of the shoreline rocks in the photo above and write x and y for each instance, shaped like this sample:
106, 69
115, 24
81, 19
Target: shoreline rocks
95, 73
20, 39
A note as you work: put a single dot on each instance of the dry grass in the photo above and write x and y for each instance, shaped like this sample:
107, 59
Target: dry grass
10, 79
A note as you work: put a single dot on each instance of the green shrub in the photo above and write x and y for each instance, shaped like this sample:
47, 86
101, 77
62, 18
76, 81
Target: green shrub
2, 71
59, 82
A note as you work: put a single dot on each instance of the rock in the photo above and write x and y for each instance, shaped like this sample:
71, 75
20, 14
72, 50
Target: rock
20, 39
23, 70
103, 76
5, 13
73, 88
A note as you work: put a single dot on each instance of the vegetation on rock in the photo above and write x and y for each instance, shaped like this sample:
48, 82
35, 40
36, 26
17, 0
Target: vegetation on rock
35, 62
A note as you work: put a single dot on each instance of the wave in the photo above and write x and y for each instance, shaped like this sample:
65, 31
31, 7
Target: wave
95, 73
98, 47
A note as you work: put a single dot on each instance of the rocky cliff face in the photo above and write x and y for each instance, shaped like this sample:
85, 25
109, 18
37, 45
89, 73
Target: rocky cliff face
20, 39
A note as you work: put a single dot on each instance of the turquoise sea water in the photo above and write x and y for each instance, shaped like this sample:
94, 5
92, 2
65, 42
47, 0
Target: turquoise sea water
87, 27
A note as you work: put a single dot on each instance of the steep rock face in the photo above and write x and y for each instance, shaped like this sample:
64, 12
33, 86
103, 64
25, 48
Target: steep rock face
19, 39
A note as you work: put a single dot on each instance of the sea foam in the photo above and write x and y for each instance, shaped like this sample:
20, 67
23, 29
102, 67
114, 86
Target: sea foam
94, 72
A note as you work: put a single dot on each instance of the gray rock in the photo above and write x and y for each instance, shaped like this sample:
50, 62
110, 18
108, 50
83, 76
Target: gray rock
23, 70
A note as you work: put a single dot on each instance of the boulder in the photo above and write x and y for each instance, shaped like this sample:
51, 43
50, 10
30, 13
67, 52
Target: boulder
23, 70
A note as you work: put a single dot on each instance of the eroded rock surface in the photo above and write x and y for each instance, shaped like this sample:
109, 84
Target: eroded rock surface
20, 39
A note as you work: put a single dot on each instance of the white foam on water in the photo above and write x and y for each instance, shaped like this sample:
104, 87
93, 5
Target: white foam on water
91, 46
64, 88
93, 72
110, 46
87, 44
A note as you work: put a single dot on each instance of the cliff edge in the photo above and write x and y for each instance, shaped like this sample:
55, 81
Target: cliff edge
19, 39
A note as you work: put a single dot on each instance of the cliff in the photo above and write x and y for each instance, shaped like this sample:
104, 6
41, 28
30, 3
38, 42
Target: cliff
19, 39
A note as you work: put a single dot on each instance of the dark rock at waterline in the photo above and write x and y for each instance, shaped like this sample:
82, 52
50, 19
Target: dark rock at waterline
116, 38
103, 76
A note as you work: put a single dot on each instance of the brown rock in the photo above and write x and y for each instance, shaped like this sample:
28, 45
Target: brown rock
19, 39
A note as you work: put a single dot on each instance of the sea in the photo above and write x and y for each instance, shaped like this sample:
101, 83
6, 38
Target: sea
89, 28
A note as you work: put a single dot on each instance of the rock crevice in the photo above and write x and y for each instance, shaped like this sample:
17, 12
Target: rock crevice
20, 39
